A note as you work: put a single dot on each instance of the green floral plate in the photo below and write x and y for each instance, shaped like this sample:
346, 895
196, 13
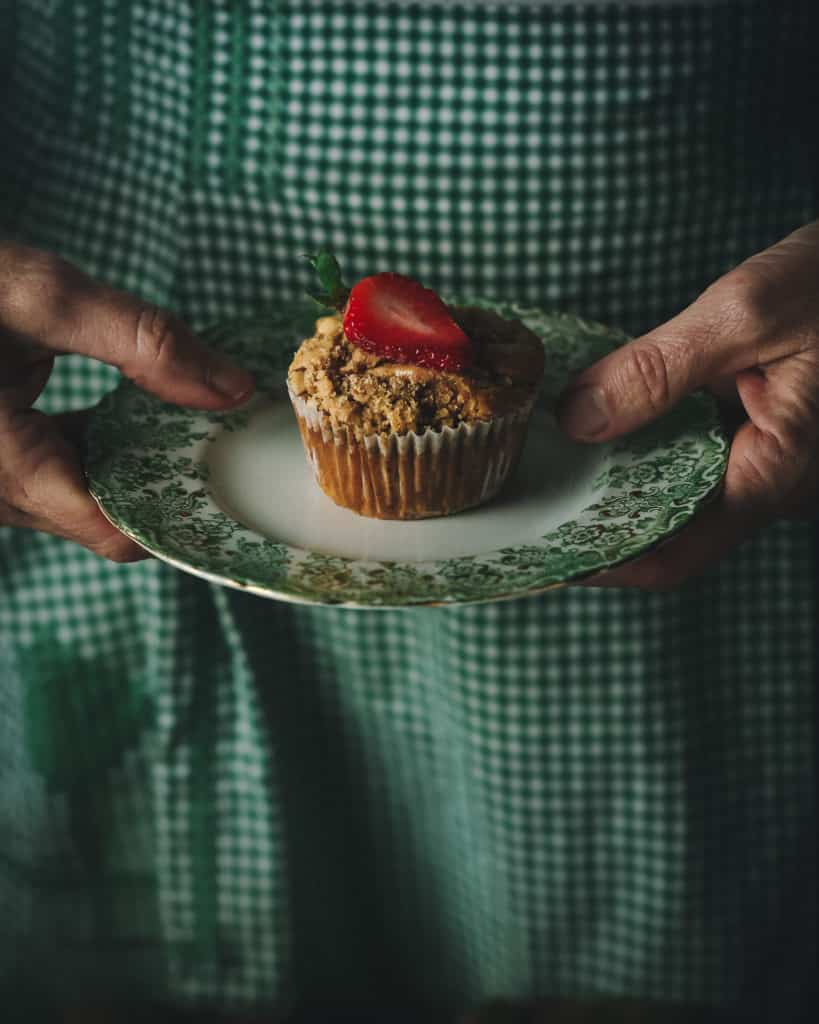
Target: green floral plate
231, 497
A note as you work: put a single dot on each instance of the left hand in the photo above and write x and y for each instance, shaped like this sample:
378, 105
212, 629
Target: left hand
752, 336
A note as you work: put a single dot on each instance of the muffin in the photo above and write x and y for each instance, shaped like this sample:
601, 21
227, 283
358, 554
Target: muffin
409, 418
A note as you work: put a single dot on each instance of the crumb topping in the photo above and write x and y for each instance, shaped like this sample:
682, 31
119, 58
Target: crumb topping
372, 395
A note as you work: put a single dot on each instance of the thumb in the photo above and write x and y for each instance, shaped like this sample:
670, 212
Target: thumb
640, 381
633, 386
53, 306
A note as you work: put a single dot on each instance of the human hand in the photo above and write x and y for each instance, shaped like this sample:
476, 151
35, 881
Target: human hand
48, 308
751, 337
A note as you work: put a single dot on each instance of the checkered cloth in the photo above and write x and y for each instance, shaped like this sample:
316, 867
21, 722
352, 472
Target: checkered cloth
228, 801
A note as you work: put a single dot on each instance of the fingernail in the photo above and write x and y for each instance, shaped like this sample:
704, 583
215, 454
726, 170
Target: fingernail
584, 413
228, 379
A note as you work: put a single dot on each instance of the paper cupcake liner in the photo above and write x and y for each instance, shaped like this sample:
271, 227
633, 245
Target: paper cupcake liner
412, 476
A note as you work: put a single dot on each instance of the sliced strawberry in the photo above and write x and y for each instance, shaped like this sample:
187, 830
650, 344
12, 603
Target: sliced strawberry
395, 317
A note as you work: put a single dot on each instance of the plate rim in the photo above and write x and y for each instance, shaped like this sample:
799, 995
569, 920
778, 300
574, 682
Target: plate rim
272, 594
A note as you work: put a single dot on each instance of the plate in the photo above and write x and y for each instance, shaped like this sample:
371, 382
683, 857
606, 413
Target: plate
230, 496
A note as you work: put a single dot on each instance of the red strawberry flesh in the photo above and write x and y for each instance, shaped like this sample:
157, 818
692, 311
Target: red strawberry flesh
395, 317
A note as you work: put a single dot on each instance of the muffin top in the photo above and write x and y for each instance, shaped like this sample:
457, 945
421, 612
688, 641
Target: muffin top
372, 395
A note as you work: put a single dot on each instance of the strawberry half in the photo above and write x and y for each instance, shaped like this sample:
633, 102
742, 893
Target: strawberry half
395, 317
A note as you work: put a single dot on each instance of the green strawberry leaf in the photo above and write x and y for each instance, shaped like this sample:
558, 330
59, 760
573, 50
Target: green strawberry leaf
333, 293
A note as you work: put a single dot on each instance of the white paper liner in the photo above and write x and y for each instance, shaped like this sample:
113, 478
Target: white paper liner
411, 476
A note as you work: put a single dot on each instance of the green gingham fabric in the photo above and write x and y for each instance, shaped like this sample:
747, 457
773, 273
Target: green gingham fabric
214, 799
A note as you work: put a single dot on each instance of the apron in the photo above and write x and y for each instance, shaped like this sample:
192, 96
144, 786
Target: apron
223, 801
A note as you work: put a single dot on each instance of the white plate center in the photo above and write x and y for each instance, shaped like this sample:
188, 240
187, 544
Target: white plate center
260, 477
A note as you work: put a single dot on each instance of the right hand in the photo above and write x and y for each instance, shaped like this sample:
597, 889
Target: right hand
49, 308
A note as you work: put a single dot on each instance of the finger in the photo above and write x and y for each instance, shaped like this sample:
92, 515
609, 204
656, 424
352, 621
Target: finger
42, 487
738, 323
53, 305
772, 462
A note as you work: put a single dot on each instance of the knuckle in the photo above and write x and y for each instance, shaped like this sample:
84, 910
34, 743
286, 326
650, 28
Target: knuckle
155, 338
13, 493
46, 485
646, 375
748, 300
21, 461
10, 493
777, 466
10, 514
754, 471
37, 287
796, 441
46, 265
